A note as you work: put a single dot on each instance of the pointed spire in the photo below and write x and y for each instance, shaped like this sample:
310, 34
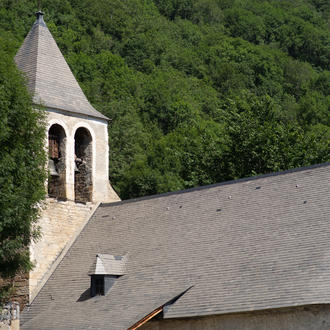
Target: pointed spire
50, 79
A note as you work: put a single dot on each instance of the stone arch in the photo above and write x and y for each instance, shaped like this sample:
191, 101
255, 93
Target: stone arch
57, 161
83, 176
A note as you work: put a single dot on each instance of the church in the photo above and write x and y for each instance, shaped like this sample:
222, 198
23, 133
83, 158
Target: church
246, 254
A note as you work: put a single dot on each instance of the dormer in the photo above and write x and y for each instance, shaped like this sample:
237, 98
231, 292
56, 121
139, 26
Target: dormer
105, 271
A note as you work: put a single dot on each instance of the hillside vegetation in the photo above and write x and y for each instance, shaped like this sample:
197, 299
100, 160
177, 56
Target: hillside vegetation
198, 91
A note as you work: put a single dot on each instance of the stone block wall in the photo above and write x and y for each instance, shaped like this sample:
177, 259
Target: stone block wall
60, 222
56, 185
19, 286
310, 317
83, 187
83, 183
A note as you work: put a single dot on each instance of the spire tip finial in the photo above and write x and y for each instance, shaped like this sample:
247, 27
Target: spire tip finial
39, 14
40, 19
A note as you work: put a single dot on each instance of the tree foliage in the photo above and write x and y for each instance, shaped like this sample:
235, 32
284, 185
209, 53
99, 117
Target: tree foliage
199, 91
22, 173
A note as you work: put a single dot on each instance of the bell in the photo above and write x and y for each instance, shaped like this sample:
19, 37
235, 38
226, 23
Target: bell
52, 168
76, 168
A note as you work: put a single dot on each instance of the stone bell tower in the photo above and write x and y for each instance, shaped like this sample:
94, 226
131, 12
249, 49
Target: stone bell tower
77, 142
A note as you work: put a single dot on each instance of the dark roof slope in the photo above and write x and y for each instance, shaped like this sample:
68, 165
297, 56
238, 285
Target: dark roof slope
251, 245
50, 79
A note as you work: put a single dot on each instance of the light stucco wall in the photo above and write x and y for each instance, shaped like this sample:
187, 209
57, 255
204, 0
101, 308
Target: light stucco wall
301, 318
98, 128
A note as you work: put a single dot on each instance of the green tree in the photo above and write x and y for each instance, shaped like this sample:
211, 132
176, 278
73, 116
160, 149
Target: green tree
199, 91
22, 170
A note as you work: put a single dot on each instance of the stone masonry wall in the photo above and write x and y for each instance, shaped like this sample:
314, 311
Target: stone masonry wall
19, 286
60, 222
83, 185
312, 317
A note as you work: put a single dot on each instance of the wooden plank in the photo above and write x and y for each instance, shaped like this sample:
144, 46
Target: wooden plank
146, 318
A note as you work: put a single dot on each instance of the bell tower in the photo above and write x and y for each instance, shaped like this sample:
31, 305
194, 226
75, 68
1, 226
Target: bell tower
77, 143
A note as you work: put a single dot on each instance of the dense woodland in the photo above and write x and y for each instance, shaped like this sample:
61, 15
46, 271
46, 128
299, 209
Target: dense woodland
198, 91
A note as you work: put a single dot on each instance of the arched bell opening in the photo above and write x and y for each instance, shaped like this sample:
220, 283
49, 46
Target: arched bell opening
83, 183
56, 162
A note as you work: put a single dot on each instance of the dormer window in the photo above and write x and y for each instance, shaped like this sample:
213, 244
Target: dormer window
98, 285
105, 271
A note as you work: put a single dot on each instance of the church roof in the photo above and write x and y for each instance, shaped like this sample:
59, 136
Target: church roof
253, 244
50, 79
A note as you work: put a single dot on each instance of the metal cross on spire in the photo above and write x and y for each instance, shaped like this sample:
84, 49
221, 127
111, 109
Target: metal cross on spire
39, 5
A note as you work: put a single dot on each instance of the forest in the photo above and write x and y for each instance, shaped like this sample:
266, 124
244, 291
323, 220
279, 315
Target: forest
198, 91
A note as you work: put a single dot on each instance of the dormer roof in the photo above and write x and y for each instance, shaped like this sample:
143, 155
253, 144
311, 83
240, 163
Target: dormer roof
50, 79
107, 264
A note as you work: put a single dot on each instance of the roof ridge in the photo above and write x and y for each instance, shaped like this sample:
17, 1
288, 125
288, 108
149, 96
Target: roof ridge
36, 60
224, 183
39, 21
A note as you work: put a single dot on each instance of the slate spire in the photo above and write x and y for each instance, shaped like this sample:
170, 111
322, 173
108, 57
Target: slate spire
50, 79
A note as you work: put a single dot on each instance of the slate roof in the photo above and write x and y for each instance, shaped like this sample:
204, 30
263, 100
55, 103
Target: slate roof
50, 79
254, 244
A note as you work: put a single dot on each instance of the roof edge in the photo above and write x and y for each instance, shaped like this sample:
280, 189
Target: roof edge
145, 319
248, 311
158, 310
224, 183
77, 114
